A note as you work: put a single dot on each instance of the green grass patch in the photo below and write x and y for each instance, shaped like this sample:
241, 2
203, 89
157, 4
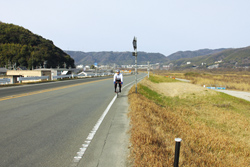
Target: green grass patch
159, 99
152, 95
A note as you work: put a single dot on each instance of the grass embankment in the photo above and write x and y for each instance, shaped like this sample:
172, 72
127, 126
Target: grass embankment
214, 126
230, 80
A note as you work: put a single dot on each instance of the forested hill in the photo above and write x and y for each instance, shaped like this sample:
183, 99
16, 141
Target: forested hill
20, 47
229, 58
191, 54
119, 58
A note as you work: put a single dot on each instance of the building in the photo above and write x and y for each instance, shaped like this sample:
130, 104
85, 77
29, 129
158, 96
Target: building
14, 74
3, 71
80, 66
213, 66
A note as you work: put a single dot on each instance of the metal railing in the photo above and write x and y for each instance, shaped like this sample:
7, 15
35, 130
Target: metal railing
63, 76
20, 79
5, 81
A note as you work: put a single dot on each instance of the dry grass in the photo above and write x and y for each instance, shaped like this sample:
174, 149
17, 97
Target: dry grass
174, 88
214, 126
234, 81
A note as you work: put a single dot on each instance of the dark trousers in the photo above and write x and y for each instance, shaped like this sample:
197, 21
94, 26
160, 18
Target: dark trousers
120, 85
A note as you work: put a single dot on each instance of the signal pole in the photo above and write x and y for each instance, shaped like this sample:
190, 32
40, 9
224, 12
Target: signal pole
135, 54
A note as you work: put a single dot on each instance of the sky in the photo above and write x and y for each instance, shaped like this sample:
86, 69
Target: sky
160, 26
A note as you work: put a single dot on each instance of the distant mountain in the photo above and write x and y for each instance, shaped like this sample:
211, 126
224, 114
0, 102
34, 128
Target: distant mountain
225, 57
20, 47
228, 58
191, 54
119, 58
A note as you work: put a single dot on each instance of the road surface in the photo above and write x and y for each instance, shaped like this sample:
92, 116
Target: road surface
50, 126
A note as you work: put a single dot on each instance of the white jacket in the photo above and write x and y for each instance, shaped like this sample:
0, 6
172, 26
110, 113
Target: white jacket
118, 77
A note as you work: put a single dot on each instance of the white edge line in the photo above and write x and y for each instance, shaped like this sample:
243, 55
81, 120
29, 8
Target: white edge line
91, 135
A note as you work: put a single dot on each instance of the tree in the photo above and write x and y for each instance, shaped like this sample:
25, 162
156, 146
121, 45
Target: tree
17, 44
92, 67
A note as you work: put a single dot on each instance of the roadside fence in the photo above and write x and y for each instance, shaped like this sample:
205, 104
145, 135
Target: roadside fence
5, 81
36, 78
20, 79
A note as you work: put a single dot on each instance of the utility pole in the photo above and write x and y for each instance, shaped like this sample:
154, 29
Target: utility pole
135, 54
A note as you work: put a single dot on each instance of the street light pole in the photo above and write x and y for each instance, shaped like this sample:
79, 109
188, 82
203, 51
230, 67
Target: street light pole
135, 54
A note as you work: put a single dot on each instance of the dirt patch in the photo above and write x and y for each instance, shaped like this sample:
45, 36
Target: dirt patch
180, 89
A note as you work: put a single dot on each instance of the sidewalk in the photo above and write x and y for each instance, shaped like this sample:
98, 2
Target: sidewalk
116, 148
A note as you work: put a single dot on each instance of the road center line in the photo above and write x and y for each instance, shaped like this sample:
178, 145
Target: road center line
47, 90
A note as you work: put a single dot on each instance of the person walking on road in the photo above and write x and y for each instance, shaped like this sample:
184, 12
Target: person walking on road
118, 79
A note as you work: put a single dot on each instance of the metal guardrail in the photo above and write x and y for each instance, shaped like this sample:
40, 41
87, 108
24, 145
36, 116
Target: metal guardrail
69, 76
20, 79
5, 80
62, 76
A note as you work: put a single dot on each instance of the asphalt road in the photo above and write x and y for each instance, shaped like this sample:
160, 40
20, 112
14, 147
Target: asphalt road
13, 90
48, 125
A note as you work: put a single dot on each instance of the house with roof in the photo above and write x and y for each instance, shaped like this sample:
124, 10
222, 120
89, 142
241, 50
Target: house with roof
3, 71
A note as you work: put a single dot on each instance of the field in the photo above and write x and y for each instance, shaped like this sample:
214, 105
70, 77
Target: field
231, 80
214, 127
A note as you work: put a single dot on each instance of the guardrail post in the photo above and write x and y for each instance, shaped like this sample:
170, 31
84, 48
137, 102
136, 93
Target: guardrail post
177, 151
